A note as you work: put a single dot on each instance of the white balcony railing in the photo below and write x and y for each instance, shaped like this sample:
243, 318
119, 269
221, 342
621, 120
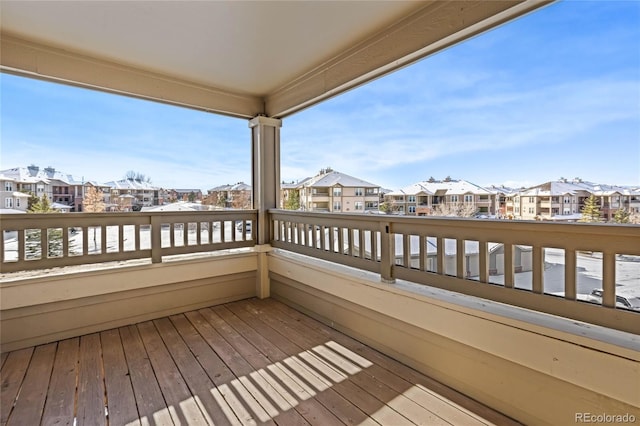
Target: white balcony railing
39, 241
533, 265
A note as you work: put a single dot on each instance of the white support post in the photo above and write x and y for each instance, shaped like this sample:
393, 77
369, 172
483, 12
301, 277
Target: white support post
265, 161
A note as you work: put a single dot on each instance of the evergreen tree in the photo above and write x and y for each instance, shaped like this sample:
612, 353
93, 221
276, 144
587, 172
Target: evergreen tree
41, 206
621, 216
590, 211
293, 202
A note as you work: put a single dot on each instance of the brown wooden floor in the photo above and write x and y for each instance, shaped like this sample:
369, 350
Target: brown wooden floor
249, 362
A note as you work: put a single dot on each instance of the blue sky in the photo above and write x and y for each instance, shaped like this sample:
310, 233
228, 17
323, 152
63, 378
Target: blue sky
553, 94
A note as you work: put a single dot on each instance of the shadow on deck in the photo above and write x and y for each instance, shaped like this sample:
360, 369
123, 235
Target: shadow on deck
248, 362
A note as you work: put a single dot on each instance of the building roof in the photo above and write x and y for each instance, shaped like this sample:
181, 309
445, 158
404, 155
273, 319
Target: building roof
334, 178
131, 184
47, 175
240, 186
442, 187
566, 187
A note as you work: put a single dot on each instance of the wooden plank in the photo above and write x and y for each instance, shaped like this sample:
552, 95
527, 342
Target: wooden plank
149, 401
91, 393
182, 405
29, 406
213, 366
236, 364
121, 403
3, 355
261, 407
441, 399
193, 373
331, 399
349, 381
266, 355
13, 371
60, 405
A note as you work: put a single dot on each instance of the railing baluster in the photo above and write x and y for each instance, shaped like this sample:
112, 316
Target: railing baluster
103, 239
387, 252
156, 239
609, 279
509, 270
538, 268
422, 252
332, 246
440, 255
570, 287
44, 243
483, 261
460, 258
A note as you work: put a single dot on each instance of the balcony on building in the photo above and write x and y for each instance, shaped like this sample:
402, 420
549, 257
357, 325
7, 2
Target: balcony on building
301, 317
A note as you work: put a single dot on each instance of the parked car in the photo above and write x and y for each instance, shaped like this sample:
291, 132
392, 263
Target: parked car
625, 301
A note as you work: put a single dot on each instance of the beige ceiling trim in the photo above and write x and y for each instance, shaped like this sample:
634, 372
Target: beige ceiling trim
429, 30
22, 57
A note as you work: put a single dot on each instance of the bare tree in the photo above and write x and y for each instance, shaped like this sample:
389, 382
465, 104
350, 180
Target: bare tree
93, 201
454, 210
137, 176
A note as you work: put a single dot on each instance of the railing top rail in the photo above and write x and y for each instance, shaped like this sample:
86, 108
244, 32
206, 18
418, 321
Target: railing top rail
594, 229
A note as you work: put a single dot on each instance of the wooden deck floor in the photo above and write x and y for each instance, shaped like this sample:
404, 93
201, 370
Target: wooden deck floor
249, 362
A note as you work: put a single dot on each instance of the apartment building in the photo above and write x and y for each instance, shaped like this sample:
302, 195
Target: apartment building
185, 194
133, 195
563, 200
426, 197
232, 196
333, 191
12, 200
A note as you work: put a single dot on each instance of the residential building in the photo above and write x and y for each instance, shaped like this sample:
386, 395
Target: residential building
333, 191
563, 200
234, 196
62, 189
12, 200
133, 195
189, 194
430, 196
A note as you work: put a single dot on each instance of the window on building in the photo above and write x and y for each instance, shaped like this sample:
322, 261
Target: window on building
567, 200
17, 202
468, 198
532, 199
8, 203
337, 206
8, 186
337, 191
371, 205
412, 198
531, 211
359, 192
454, 198
412, 209
359, 205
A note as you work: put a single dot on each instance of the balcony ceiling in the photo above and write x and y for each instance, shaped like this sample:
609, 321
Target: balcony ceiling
234, 57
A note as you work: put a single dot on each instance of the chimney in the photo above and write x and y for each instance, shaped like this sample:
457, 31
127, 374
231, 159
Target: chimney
33, 170
50, 171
